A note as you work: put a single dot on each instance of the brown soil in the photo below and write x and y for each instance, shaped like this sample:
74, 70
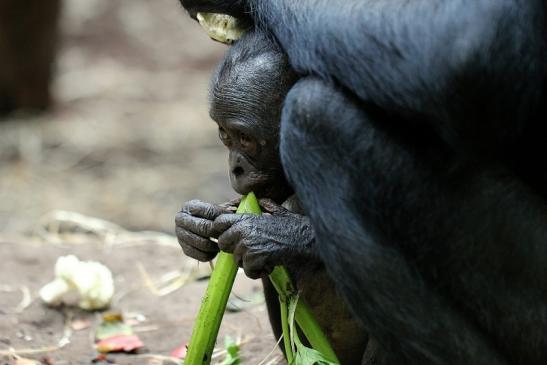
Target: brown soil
167, 319
129, 140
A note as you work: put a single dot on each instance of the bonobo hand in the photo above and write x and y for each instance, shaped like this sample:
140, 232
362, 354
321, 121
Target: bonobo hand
194, 227
261, 242
236, 8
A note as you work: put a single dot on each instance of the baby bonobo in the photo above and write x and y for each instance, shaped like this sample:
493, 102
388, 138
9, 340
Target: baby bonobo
246, 98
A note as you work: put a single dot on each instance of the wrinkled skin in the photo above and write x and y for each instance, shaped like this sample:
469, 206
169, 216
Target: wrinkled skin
278, 237
261, 242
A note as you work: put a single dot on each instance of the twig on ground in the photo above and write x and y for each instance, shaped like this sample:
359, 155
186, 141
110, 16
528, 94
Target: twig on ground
60, 227
26, 298
263, 362
16, 352
162, 358
150, 328
170, 282
67, 329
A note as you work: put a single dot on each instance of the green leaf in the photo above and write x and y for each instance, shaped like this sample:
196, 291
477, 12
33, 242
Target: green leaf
293, 333
303, 354
307, 356
232, 355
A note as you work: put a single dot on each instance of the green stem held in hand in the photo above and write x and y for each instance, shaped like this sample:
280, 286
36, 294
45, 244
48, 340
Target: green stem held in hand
202, 342
213, 305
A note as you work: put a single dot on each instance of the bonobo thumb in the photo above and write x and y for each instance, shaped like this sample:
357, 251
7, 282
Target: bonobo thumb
225, 221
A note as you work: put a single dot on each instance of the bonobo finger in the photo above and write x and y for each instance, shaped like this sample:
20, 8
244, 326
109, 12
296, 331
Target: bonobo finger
196, 254
225, 221
239, 252
231, 204
227, 241
255, 264
199, 226
189, 239
204, 210
269, 206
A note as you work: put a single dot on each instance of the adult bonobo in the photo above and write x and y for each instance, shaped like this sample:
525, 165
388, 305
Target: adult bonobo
247, 92
416, 146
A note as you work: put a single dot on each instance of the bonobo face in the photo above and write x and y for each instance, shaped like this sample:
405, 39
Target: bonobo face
245, 101
253, 159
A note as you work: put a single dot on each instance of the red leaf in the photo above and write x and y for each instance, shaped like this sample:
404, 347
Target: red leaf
126, 343
180, 352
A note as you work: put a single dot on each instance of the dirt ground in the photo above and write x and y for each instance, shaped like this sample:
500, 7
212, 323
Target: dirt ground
128, 141
165, 322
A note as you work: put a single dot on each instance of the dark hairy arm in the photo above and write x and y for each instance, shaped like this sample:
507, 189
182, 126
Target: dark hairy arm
458, 62
440, 255
386, 49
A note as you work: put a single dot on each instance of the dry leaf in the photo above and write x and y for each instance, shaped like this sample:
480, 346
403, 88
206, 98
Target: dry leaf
123, 343
180, 352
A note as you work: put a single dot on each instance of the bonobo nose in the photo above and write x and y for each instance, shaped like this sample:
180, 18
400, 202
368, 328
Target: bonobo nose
238, 171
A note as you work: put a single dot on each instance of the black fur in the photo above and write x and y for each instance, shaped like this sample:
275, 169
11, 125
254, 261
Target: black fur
416, 145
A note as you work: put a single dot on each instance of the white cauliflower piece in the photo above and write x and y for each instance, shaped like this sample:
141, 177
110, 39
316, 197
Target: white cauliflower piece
91, 280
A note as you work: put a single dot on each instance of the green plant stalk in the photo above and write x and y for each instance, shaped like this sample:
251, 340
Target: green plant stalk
305, 319
207, 325
213, 305
284, 306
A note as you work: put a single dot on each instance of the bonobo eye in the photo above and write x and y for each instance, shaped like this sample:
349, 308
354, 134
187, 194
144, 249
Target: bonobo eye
244, 140
223, 135
247, 143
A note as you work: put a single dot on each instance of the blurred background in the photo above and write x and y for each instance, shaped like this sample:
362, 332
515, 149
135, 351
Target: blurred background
104, 122
125, 133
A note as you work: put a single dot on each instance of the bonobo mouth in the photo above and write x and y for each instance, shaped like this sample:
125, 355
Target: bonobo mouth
264, 185
246, 188
277, 192
246, 181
